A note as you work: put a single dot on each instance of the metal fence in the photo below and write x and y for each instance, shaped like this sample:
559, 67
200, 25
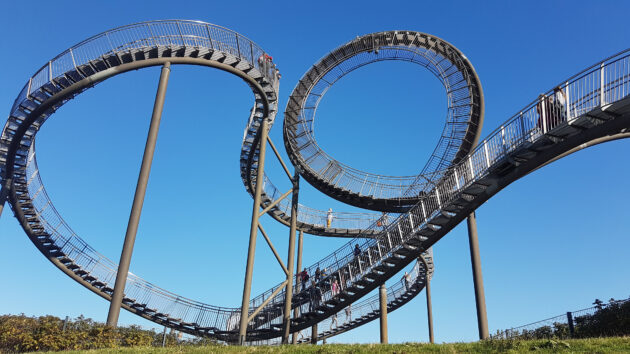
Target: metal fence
319, 218
165, 33
368, 309
440, 58
604, 319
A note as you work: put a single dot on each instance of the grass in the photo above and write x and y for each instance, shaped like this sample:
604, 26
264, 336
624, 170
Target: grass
596, 345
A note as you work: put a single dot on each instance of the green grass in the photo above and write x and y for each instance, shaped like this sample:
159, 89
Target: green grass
597, 345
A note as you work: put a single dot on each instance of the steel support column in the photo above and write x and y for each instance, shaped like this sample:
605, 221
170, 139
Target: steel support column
253, 232
298, 268
480, 297
314, 334
382, 295
286, 320
427, 289
138, 199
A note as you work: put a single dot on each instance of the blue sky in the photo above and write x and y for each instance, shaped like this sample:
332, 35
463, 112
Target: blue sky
550, 242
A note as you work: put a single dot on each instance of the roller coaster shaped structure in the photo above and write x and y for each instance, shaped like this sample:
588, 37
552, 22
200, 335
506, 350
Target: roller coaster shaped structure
454, 183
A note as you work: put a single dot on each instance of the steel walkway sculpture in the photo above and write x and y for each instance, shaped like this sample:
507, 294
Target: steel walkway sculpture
456, 180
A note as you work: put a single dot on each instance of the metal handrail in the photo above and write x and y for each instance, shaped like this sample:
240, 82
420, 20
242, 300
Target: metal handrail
598, 87
349, 57
124, 38
517, 131
343, 256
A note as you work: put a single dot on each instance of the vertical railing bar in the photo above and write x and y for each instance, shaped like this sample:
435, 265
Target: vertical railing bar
74, 63
424, 213
181, 36
485, 148
251, 49
601, 86
209, 37
238, 47
472, 170
567, 101
30, 83
109, 41
456, 178
152, 35
544, 114
437, 195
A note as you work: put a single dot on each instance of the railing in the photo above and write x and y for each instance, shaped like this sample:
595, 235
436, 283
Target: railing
318, 218
371, 305
522, 129
450, 70
176, 35
599, 320
100, 267
362, 308
595, 87
150, 34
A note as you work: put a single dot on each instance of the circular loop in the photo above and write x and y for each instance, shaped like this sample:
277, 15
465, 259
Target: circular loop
81, 67
464, 118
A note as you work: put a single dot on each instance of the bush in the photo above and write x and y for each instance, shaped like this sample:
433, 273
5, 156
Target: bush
47, 333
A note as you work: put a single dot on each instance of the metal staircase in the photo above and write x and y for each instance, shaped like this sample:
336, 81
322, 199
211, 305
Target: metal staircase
597, 107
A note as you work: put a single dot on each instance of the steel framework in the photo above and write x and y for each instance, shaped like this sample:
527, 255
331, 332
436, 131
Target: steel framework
596, 108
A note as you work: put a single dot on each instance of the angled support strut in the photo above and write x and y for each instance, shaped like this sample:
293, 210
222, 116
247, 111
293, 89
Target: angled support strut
138, 199
253, 231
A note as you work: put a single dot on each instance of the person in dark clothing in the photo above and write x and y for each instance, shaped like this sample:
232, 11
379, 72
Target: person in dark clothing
357, 254
304, 278
316, 296
318, 275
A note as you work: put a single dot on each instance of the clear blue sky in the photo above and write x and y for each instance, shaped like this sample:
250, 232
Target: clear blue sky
551, 242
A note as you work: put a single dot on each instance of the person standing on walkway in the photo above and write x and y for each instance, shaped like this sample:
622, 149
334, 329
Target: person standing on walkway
333, 320
335, 287
407, 279
315, 295
349, 313
329, 217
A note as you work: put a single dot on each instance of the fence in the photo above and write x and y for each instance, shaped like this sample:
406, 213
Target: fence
601, 320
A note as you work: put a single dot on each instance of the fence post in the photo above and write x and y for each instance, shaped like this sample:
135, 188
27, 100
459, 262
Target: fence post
570, 322
65, 324
164, 337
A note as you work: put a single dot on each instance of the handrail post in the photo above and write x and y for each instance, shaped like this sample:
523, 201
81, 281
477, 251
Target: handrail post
30, 84
181, 36
249, 270
251, 49
209, 37
485, 148
602, 101
544, 114
238, 47
567, 101
74, 63
138, 199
